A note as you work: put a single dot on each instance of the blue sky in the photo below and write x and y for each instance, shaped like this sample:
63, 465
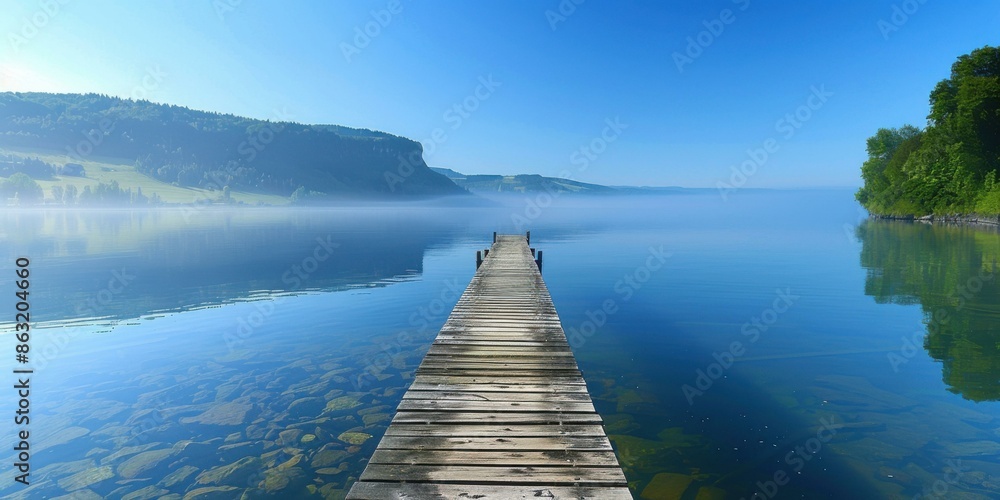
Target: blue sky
561, 71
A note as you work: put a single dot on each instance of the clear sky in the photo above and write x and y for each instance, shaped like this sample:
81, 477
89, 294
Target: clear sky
557, 72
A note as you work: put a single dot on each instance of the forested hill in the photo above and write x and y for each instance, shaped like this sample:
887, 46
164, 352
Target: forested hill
211, 150
951, 165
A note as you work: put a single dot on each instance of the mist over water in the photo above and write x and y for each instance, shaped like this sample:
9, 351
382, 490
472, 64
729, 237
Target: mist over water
775, 344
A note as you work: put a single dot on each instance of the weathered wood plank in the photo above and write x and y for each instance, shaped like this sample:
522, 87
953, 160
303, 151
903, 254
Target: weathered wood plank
576, 458
499, 372
496, 396
422, 385
512, 430
436, 491
498, 408
556, 476
495, 406
511, 443
458, 417
499, 380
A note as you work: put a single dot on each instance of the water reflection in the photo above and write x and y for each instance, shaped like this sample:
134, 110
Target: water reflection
951, 272
126, 264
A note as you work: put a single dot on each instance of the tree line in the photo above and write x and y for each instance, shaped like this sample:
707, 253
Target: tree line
949, 166
21, 190
208, 150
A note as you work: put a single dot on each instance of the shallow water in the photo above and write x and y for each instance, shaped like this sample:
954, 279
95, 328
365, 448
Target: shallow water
776, 344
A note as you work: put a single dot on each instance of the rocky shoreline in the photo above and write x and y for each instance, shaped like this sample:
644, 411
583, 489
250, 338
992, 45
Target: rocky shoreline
970, 219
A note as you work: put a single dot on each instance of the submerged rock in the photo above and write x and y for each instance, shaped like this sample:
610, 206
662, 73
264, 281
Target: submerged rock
127, 451
290, 436
354, 437
143, 463
666, 486
147, 493
86, 478
306, 407
710, 493
80, 495
213, 493
375, 418
342, 403
973, 449
235, 474
328, 457
222, 414
240, 450
284, 481
60, 437
177, 477
620, 423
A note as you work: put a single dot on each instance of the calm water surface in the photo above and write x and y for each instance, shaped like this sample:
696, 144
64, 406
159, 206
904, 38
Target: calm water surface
775, 345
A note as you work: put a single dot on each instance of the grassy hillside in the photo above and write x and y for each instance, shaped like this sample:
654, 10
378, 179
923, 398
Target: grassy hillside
104, 170
203, 150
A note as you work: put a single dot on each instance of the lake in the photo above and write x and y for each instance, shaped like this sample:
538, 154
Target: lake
776, 344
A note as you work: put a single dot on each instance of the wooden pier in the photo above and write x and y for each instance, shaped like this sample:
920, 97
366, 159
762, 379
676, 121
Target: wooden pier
498, 408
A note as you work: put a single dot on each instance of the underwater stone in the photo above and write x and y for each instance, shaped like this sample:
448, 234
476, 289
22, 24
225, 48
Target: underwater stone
86, 478
221, 414
355, 438
147, 493
666, 486
342, 403
306, 407
235, 474
327, 457
178, 476
213, 493
143, 462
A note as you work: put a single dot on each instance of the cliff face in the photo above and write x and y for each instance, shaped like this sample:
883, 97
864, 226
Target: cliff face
202, 149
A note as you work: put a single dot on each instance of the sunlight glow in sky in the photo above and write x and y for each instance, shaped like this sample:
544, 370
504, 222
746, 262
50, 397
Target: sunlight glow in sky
498, 86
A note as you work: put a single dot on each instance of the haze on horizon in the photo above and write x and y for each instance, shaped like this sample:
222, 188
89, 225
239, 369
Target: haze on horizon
641, 93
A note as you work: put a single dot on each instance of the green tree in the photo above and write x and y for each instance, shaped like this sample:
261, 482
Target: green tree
69, 196
25, 188
881, 149
57, 193
951, 166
